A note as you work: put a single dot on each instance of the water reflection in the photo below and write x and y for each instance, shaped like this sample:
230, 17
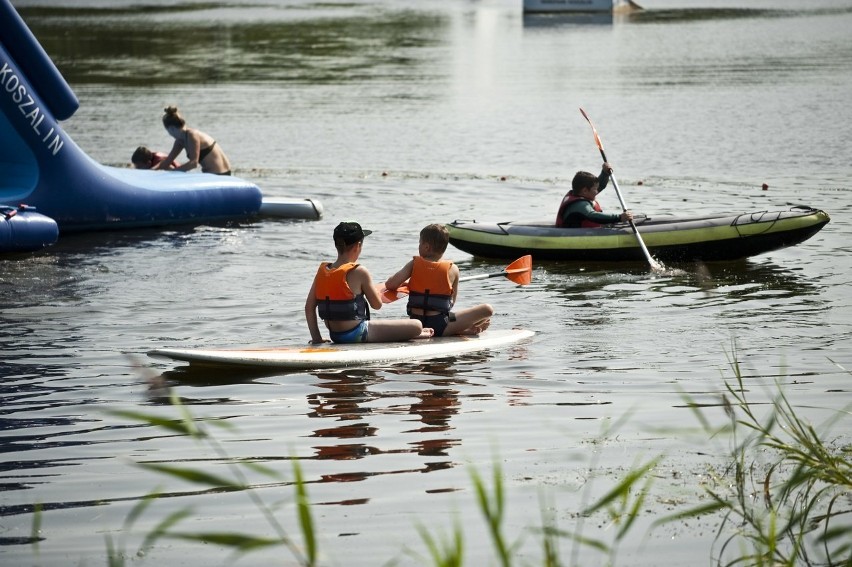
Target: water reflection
664, 16
557, 20
351, 403
203, 376
729, 282
681, 15
353, 396
687, 15
28, 388
134, 46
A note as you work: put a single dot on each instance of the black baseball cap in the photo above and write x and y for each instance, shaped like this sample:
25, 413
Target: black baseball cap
350, 233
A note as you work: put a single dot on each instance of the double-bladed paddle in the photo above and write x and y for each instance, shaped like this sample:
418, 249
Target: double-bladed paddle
519, 271
653, 263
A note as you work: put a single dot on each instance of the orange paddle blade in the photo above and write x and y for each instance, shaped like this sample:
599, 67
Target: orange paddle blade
389, 296
594, 130
520, 271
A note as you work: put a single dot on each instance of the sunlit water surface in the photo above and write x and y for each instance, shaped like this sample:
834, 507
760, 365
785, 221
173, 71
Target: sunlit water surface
398, 114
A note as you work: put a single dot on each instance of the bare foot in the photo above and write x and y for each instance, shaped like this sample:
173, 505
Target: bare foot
426, 333
482, 326
477, 328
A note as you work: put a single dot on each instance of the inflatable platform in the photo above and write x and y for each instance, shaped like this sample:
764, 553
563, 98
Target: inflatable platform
49, 185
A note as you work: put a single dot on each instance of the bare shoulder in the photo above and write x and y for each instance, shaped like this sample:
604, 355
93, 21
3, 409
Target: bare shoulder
360, 270
454, 272
359, 277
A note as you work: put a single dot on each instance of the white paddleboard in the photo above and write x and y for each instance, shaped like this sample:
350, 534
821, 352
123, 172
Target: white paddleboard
338, 356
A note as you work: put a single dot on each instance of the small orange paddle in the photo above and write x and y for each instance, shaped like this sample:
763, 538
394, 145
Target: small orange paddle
519, 271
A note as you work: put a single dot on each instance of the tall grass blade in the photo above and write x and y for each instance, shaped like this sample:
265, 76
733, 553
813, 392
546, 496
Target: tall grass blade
634, 510
492, 508
194, 476
162, 528
696, 512
114, 558
239, 542
186, 416
444, 553
622, 489
597, 544
176, 426
306, 522
35, 529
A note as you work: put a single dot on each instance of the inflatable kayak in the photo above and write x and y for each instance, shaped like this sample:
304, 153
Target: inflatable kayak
731, 236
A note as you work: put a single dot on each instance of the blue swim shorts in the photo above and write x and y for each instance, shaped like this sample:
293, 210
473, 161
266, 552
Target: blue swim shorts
356, 335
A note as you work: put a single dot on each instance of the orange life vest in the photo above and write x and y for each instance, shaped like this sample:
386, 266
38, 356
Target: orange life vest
429, 287
335, 300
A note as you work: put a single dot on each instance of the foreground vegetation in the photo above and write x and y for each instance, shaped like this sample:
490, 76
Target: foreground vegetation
784, 497
791, 487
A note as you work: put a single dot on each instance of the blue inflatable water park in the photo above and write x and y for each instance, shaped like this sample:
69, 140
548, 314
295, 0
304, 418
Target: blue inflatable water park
49, 185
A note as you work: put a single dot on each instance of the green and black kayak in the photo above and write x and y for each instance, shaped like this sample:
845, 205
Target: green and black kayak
730, 236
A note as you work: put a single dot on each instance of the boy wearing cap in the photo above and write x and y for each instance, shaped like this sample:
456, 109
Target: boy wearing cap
343, 292
433, 284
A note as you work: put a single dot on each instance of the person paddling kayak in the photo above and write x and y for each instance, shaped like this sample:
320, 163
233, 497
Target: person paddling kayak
579, 207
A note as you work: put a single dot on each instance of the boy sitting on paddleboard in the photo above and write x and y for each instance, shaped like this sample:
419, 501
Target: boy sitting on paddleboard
433, 285
343, 292
579, 207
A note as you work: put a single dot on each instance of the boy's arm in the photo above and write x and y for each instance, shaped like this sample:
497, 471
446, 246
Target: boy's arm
585, 208
360, 281
603, 178
454, 278
311, 315
177, 147
400, 277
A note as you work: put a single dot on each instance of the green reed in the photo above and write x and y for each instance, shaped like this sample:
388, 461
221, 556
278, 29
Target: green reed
444, 551
785, 497
197, 430
792, 485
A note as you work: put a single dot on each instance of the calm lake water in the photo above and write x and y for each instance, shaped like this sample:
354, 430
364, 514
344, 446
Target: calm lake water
399, 113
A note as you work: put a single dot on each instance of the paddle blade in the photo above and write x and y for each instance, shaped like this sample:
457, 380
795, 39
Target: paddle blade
389, 296
594, 130
520, 271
